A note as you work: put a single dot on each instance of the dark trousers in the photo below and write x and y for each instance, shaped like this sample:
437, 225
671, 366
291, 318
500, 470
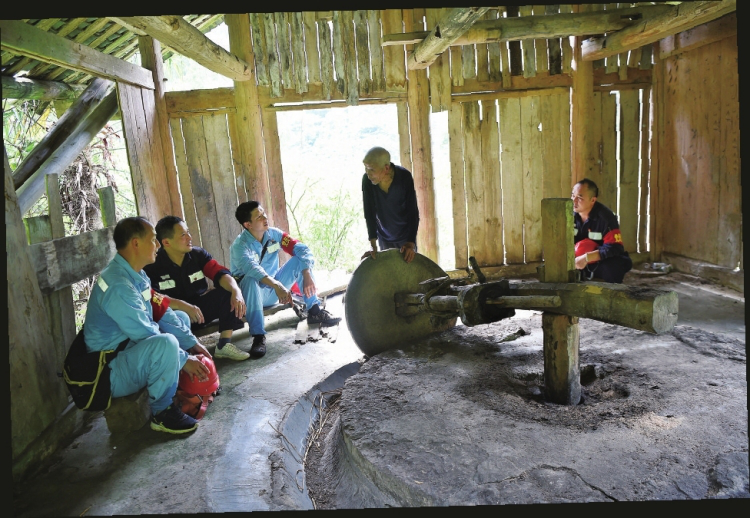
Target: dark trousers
215, 304
612, 269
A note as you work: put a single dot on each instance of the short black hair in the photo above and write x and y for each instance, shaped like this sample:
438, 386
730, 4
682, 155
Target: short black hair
591, 186
165, 227
244, 210
128, 228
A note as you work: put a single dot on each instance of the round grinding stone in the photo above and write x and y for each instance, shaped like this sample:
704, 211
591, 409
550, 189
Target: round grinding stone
370, 308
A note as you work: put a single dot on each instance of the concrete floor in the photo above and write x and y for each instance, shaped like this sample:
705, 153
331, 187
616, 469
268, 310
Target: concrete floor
247, 453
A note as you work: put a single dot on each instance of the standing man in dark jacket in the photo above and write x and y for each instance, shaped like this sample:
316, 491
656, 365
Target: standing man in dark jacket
180, 272
390, 205
600, 253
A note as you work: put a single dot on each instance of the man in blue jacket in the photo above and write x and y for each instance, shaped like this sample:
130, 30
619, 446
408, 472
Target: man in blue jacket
121, 307
254, 261
390, 205
600, 254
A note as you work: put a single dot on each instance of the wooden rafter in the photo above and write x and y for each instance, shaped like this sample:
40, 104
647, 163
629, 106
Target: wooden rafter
679, 18
451, 26
189, 41
22, 38
540, 27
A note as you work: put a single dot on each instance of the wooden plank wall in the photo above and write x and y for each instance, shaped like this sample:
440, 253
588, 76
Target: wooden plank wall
700, 205
499, 176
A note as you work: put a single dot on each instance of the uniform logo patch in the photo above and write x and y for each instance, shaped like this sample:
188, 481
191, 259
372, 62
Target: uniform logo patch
102, 284
596, 236
273, 248
165, 285
146, 294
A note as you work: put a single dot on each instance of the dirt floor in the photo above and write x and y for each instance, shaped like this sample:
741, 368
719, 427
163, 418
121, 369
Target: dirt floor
662, 417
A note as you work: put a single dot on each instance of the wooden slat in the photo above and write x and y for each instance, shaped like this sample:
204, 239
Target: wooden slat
529, 52
514, 47
474, 181
705, 34
468, 62
458, 191
29, 41
63, 32
611, 63
349, 45
376, 51
196, 141
404, 138
361, 39
107, 206
643, 201
62, 262
555, 51
438, 99
493, 51
567, 50
457, 76
284, 48
629, 170
199, 100
274, 60
311, 46
394, 63
240, 177
492, 202
646, 57
551, 147
566, 178
222, 182
532, 178
298, 52
278, 213
339, 53
504, 56
259, 49
540, 45
326, 59
730, 242
606, 107
482, 52
512, 178
186, 189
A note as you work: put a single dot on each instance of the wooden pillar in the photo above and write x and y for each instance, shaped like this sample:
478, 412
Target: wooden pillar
418, 101
249, 160
584, 152
562, 375
657, 141
151, 59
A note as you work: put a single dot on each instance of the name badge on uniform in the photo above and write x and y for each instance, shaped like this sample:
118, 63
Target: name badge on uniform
273, 248
146, 294
575, 231
196, 276
102, 284
165, 285
596, 236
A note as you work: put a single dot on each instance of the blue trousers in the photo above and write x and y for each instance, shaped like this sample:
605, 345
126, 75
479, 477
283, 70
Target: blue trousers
153, 363
257, 295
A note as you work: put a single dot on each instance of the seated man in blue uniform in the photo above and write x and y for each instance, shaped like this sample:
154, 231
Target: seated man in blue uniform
600, 254
121, 307
390, 205
254, 261
180, 272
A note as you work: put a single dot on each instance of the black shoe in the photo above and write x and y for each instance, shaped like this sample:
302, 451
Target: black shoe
324, 318
258, 350
173, 420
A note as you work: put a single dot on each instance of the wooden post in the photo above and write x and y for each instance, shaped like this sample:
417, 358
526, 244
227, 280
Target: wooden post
249, 161
418, 101
151, 59
584, 156
562, 376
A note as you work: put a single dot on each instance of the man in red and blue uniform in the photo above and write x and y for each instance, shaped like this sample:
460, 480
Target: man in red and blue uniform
600, 254
254, 260
180, 273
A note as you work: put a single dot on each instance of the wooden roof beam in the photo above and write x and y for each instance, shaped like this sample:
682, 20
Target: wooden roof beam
182, 37
679, 18
27, 40
540, 27
451, 26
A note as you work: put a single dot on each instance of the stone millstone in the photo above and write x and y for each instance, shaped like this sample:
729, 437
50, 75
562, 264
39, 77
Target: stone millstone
370, 308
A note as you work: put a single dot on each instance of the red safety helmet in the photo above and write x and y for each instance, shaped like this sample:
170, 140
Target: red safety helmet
585, 246
201, 388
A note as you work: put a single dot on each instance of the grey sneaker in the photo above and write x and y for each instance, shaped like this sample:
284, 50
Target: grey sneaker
230, 352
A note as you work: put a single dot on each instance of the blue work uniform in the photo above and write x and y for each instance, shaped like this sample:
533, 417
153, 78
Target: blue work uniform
120, 308
249, 264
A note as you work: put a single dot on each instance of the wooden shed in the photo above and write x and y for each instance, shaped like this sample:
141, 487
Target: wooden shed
641, 97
